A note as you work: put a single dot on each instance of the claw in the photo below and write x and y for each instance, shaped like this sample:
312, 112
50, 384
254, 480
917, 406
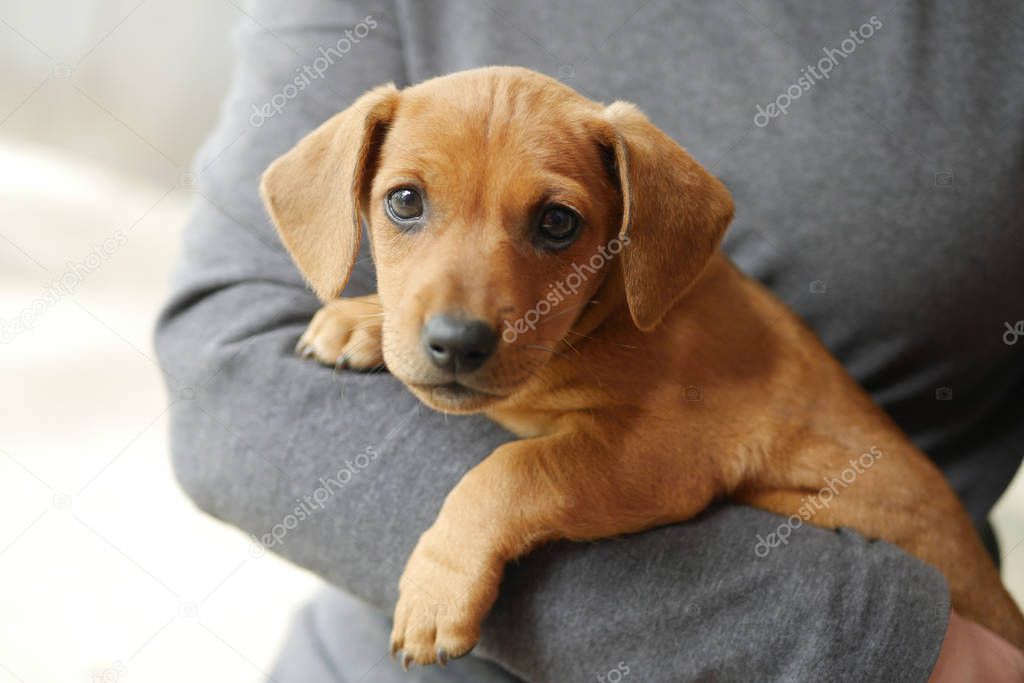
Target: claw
442, 656
406, 660
306, 352
342, 362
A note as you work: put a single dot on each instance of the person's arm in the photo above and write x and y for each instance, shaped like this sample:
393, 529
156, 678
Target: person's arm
341, 472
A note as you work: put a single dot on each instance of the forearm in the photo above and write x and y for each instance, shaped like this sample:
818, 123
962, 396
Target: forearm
266, 431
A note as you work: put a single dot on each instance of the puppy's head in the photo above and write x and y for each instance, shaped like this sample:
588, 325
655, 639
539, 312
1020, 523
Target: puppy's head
498, 201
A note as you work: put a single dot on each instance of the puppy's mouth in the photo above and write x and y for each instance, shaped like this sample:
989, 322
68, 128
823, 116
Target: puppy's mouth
455, 396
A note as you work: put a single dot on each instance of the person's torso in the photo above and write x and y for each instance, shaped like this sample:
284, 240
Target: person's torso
876, 157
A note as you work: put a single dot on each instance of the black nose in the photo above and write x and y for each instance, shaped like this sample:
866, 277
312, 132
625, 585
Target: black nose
458, 345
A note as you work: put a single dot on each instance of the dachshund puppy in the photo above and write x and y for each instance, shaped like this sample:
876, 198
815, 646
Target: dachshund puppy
553, 263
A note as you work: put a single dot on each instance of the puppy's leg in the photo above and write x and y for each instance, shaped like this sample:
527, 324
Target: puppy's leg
566, 485
901, 498
346, 333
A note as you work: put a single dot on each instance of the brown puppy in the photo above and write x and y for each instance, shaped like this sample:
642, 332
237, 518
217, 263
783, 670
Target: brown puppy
553, 263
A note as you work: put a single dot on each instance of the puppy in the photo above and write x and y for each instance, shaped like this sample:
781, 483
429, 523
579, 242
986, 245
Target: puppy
553, 263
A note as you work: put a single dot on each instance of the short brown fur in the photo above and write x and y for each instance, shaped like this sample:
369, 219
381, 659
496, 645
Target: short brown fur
601, 390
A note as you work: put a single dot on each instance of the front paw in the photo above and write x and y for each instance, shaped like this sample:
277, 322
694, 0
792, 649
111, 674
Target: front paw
346, 333
444, 595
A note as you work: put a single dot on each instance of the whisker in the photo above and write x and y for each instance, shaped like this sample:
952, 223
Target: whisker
568, 310
604, 341
548, 384
543, 348
575, 350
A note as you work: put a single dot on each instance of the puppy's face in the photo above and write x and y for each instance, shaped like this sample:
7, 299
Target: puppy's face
488, 209
495, 200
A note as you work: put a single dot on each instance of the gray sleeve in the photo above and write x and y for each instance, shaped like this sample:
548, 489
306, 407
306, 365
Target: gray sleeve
340, 473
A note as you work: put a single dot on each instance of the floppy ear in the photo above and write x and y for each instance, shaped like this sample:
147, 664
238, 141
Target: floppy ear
316, 192
674, 214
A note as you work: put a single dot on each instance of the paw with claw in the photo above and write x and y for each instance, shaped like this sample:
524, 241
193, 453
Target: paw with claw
346, 333
444, 595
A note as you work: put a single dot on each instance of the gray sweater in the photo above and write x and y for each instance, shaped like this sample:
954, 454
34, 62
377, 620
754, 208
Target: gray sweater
875, 155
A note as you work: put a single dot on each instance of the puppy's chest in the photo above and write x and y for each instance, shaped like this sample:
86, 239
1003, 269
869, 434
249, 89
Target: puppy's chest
526, 423
539, 413
587, 387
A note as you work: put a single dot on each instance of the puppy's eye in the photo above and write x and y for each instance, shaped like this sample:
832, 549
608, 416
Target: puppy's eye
405, 204
558, 226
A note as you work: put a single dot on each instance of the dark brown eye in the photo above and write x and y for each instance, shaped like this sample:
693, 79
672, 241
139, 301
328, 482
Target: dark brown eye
405, 204
558, 226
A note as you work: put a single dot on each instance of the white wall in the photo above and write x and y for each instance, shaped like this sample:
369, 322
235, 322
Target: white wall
107, 571
122, 82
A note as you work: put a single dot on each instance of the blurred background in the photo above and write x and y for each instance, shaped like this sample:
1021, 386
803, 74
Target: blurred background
106, 570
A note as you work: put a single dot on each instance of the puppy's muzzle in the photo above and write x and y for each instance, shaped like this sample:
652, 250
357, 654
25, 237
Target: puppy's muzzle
458, 345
